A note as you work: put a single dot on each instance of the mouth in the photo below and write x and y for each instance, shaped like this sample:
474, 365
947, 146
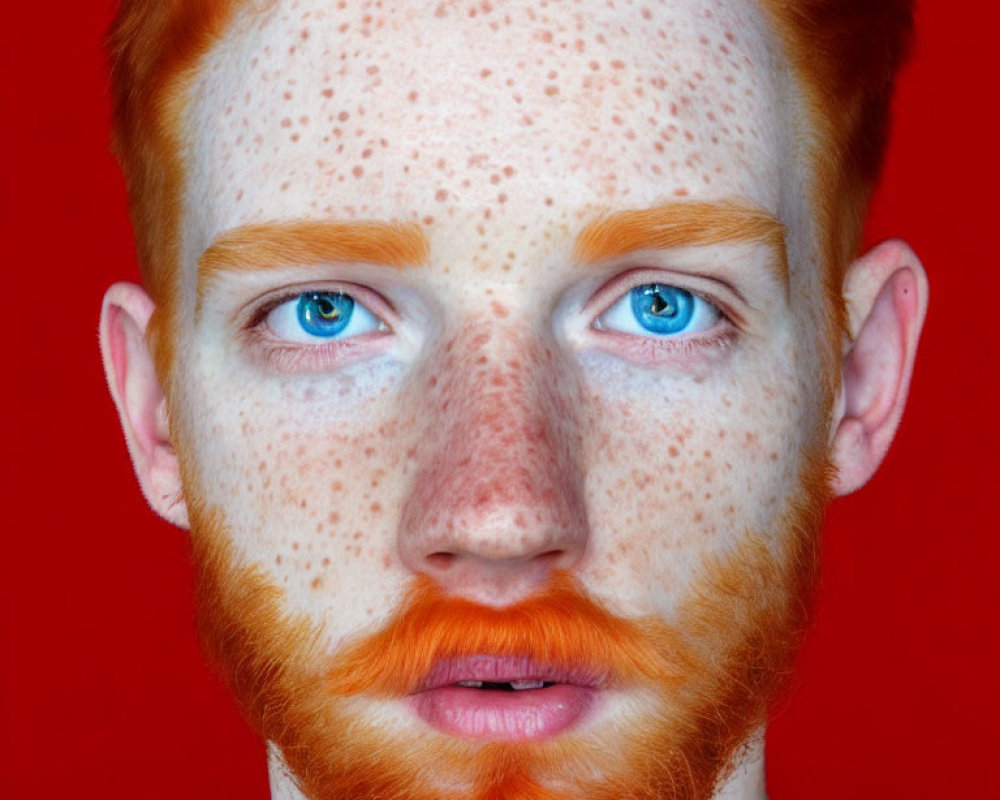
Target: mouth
505, 698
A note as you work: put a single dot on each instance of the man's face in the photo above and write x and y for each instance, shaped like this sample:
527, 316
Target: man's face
519, 402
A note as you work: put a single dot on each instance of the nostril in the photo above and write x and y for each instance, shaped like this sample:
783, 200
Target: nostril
441, 561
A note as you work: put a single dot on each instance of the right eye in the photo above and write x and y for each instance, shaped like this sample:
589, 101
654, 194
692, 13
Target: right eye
317, 317
660, 310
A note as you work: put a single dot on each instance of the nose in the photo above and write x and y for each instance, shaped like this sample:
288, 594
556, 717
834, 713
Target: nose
497, 502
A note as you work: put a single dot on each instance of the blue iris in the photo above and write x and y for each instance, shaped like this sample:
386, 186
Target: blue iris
662, 309
325, 313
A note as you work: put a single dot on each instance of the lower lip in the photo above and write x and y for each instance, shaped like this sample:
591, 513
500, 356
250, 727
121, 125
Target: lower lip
524, 715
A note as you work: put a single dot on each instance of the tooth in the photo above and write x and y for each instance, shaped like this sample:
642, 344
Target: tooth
519, 685
470, 684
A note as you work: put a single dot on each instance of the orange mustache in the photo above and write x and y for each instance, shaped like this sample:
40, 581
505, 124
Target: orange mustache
561, 628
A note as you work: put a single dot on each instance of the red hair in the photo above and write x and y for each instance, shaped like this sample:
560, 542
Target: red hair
845, 52
154, 47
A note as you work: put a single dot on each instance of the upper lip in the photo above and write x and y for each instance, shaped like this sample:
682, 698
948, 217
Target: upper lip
504, 669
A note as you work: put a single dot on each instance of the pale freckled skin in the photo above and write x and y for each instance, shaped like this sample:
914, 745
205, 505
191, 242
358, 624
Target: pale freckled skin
491, 440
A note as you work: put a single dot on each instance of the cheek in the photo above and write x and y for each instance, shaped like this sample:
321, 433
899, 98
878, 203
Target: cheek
677, 470
311, 490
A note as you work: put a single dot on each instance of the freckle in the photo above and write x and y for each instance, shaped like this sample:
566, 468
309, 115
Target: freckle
441, 195
428, 220
412, 97
499, 309
617, 64
327, 93
294, 137
277, 560
551, 91
326, 562
673, 451
316, 582
358, 171
502, 197
285, 185
295, 545
288, 95
548, 201
369, 452
594, 66
337, 486
376, 508
343, 116
366, 153
286, 123
680, 192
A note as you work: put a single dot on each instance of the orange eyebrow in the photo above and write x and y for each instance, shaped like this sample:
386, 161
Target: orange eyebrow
283, 244
683, 224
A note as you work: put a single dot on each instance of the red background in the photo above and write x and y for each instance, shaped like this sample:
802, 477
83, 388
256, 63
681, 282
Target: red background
102, 691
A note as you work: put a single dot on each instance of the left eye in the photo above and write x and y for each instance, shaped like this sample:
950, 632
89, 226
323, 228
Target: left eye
314, 317
660, 310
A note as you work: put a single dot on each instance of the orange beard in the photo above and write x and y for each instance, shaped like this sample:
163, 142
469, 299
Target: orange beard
696, 690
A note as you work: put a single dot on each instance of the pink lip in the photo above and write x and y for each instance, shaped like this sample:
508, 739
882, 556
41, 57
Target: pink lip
521, 715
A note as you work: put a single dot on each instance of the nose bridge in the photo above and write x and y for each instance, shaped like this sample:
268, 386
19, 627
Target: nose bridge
499, 485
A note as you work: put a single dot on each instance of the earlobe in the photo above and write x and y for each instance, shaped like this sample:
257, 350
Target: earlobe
886, 294
139, 398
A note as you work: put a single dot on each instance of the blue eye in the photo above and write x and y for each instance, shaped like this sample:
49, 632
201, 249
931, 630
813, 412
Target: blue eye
324, 313
660, 310
314, 317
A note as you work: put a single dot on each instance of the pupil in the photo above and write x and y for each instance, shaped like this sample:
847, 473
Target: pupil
661, 307
327, 310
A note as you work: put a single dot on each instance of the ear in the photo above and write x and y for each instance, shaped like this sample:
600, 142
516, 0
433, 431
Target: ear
139, 398
886, 294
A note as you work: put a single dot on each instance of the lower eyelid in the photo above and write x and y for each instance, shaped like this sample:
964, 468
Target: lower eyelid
684, 351
289, 357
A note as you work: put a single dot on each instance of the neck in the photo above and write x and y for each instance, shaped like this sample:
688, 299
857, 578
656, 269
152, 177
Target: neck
745, 783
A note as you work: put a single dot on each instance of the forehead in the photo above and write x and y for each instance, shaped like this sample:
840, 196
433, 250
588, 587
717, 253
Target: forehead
426, 110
